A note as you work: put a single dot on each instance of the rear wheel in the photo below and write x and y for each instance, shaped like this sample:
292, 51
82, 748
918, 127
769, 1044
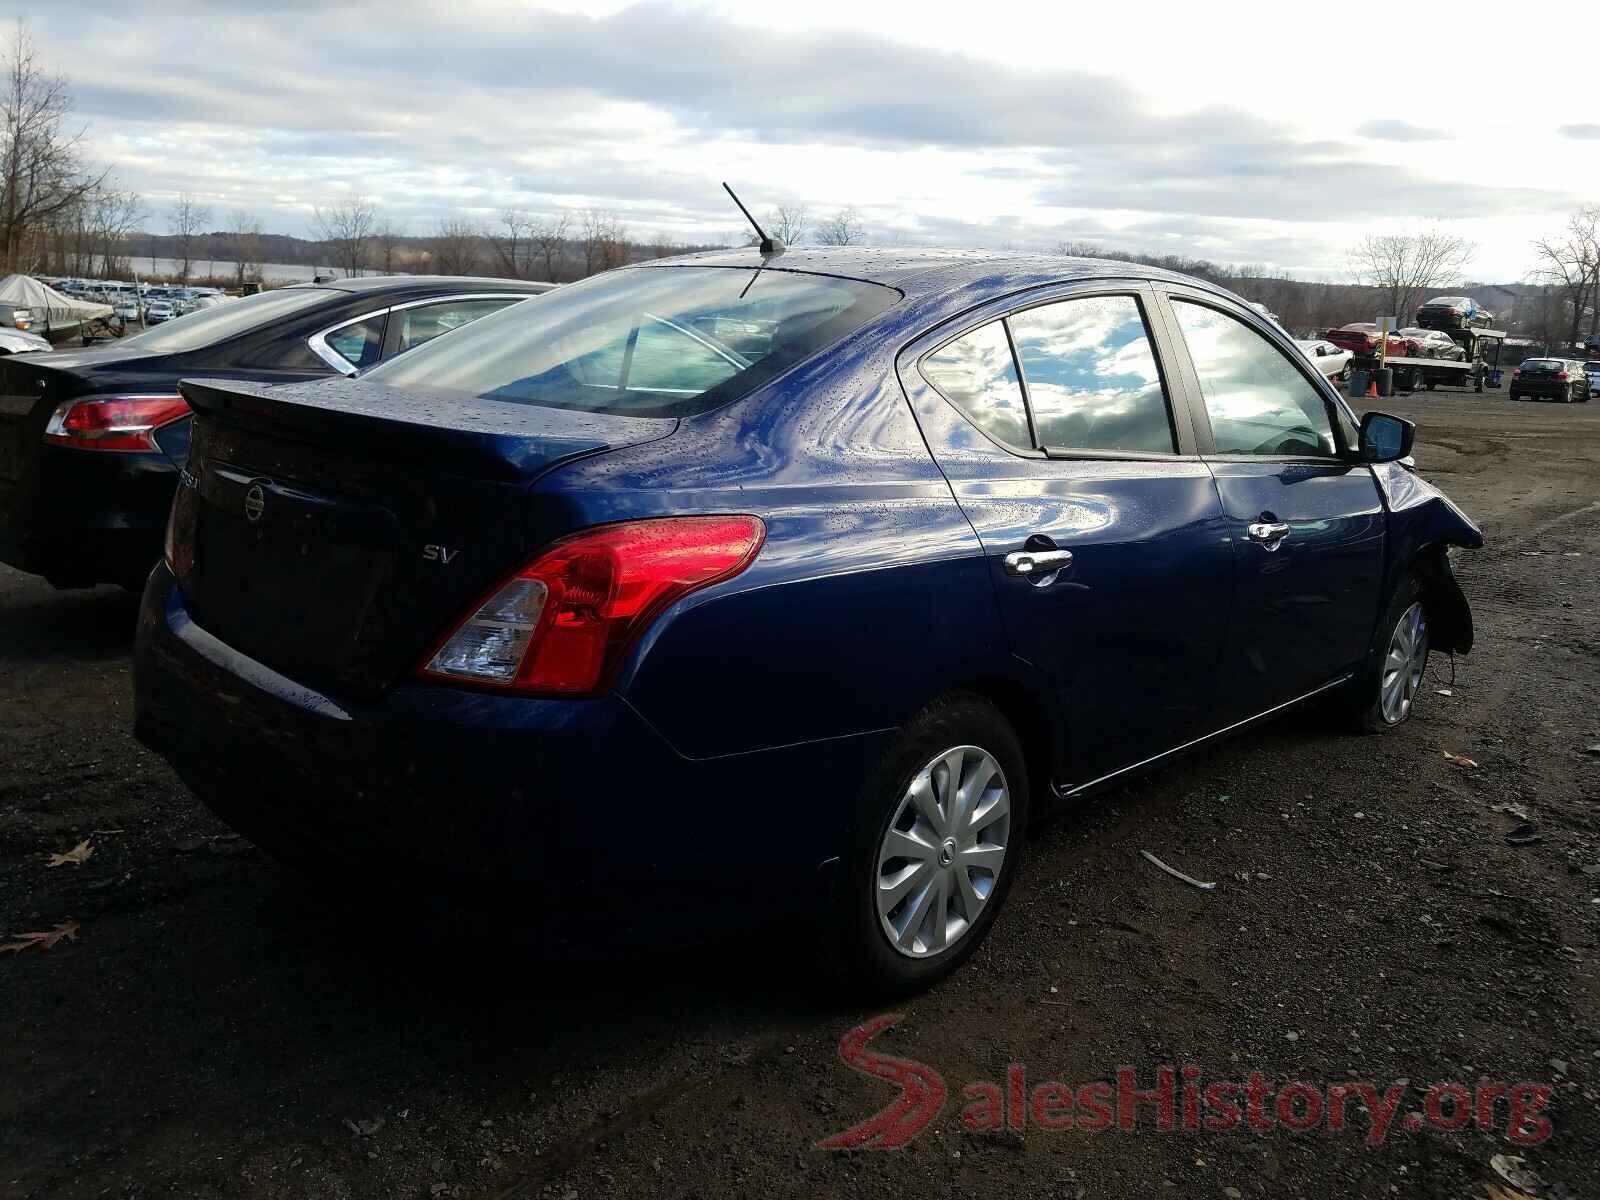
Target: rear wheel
1387, 690
937, 844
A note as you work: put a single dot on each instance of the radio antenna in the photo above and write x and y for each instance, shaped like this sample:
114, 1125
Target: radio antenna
769, 244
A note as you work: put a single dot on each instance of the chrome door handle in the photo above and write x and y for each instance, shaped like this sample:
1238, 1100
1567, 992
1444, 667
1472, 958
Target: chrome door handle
1269, 534
1033, 563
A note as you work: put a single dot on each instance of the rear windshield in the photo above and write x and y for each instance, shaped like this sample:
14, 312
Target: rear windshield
644, 342
1448, 301
1542, 364
211, 325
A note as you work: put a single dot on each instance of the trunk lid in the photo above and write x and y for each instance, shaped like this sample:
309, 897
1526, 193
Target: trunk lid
339, 529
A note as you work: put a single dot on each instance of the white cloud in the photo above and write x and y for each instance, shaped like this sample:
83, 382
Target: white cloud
1205, 130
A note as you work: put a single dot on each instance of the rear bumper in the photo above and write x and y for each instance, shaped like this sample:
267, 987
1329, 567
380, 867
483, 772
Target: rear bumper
1544, 391
579, 802
80, 517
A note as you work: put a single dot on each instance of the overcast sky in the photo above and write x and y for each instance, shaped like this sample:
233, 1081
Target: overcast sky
1236, 132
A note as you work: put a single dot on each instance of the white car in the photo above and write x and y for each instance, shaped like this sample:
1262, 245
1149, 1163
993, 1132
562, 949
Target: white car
14, 341
1331, 360
160, 310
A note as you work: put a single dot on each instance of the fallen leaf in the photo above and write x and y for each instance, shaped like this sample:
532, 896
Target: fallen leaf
26, 941
1514, 1170
1459, 759
77, 856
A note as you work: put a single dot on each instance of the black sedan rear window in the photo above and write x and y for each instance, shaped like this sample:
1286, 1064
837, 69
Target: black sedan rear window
209, 326
652, 342
1542, 364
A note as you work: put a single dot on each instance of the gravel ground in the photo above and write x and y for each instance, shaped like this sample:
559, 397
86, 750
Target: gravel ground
219, 1028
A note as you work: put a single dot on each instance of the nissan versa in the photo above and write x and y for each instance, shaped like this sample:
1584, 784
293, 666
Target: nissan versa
741, 586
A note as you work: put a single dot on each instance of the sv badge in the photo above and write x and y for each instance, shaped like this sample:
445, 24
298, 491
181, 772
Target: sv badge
440, 554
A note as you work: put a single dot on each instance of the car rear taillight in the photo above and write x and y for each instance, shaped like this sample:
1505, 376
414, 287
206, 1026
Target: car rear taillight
1562, 375
561, 625
1516, 373
113, 422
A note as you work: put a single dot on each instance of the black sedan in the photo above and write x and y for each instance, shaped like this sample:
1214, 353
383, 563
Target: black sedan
92, 441
1550, 379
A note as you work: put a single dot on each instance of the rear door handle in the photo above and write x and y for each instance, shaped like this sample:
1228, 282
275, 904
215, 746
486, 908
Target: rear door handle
1031, 564
1270, 534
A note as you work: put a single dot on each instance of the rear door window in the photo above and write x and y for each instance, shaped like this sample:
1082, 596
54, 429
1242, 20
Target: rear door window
1090, 376
424, 322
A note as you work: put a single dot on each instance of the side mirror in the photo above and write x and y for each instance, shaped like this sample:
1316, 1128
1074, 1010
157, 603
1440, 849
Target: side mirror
1385, 438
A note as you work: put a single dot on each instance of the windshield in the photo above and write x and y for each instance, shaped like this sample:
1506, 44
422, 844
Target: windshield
212, 325
656, 342
1449, 301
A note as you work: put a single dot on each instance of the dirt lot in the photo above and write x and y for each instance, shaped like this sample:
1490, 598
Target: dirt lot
219, 1028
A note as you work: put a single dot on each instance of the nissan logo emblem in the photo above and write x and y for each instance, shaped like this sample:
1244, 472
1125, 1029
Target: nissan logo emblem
255, 502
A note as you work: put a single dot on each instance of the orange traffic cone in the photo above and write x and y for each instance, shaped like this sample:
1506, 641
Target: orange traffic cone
1372, 386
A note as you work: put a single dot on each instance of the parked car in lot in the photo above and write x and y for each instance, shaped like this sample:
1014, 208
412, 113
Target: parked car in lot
14, 341
1331, 360
584, 607
1362, 337
91, 441
1454, 312
1592, 371
1431, 343
1550, 379
160, 310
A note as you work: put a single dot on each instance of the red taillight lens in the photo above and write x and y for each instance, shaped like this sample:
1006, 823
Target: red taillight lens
1562, 375
562, 624
113, 422
1516, 372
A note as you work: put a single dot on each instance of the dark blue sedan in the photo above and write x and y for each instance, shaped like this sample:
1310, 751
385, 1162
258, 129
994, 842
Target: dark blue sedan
741, 586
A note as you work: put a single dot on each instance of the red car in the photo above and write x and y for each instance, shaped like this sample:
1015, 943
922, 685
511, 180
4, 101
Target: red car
1361, 337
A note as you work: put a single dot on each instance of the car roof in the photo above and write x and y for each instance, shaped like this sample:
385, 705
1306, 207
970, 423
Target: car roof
366, 284
921, 272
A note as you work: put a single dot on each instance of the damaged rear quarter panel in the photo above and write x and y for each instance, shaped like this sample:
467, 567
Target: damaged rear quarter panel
1423, 522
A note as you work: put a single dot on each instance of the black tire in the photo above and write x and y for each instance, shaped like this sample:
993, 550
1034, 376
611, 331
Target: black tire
1432, 383
872, 965
1364, 702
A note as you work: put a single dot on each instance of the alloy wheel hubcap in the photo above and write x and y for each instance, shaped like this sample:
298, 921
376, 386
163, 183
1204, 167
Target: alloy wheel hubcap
1404, 664
943, 851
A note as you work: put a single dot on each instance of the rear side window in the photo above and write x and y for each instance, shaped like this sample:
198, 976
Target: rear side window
1091, 377
360, 343
1088, 379
977, 374
644, 342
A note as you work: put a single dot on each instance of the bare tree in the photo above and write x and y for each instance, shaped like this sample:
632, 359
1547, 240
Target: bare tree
844, 228
511, 248
114, 216
42, 176
387, 238
1401, 268
603, 238
787, 222
1570, 262
187, 222
548, 238
244, 231
455, 247
347, 227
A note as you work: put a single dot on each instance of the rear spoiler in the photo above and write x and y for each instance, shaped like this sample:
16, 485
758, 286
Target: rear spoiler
501, 440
